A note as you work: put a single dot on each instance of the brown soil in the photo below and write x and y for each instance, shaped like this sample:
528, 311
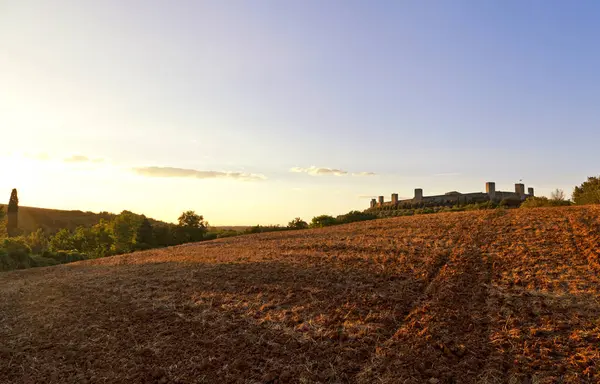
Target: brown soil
481, 297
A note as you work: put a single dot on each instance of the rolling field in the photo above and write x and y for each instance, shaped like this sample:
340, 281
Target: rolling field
472, 297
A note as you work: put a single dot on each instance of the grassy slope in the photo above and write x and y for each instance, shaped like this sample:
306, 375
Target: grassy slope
473, 297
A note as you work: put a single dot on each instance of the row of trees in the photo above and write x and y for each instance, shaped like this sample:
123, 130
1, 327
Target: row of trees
126, 232
327, 220
297, 223
129, 232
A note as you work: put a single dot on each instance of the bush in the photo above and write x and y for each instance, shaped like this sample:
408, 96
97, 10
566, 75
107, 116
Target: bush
63, 257
322, 221
354, 216
15, 260
264, 228
37, 241
210, 236
297, 223
41, 261
14, 245
542, 201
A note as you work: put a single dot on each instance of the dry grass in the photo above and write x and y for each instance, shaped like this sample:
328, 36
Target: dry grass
474, 297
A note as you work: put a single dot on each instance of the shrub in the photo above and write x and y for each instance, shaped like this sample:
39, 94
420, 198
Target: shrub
297, 223
210, 236
354, 216
15, 260
16, 245
41, 261
322, 221
64, 256
37, 241
542, 201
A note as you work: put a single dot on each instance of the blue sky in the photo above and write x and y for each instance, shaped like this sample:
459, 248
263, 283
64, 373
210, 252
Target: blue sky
442, 95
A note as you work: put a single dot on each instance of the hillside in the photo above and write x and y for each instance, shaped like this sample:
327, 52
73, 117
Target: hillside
474, 297
52, 220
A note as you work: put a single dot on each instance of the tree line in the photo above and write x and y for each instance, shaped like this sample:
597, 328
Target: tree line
126, 232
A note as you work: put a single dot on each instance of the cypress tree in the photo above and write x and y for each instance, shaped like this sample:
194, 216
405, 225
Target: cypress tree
12, 226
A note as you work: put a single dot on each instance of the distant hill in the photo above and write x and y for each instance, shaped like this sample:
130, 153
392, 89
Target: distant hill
52, 220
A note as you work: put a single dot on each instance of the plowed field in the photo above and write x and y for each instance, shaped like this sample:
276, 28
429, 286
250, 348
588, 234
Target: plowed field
472, 297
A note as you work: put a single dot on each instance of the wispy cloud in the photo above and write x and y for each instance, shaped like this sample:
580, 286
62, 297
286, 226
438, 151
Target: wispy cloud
81, 159
196, 174
319, 171
448, 174
38, 156
316, 171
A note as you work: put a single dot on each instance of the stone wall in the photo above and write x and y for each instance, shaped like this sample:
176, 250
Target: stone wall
459, 198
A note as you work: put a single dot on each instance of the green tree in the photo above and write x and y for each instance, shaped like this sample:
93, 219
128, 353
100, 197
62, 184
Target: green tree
103, 237
62, 241
354, 216
322, 221
164, 235
191, 227
298, 223
84, 240
124, 228
144, 237
588, 192
37, 241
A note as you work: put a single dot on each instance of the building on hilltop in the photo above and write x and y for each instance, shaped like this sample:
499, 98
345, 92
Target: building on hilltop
455, 197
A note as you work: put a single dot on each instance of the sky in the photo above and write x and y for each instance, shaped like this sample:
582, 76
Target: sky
256, 112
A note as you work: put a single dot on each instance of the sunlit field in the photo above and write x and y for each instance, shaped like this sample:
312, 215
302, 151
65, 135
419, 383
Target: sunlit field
502, 296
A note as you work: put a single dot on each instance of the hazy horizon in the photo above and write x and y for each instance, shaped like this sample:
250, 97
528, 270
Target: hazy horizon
256, 113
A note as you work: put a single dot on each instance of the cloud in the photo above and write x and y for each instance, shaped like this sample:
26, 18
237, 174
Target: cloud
448, 174
38, 156
315, 171
81, 159
192, 173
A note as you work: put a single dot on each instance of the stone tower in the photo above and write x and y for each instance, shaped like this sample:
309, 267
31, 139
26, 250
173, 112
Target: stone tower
520, 189
490, 189
418, 194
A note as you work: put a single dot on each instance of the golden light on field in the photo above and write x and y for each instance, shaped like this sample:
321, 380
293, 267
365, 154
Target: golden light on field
454, 297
